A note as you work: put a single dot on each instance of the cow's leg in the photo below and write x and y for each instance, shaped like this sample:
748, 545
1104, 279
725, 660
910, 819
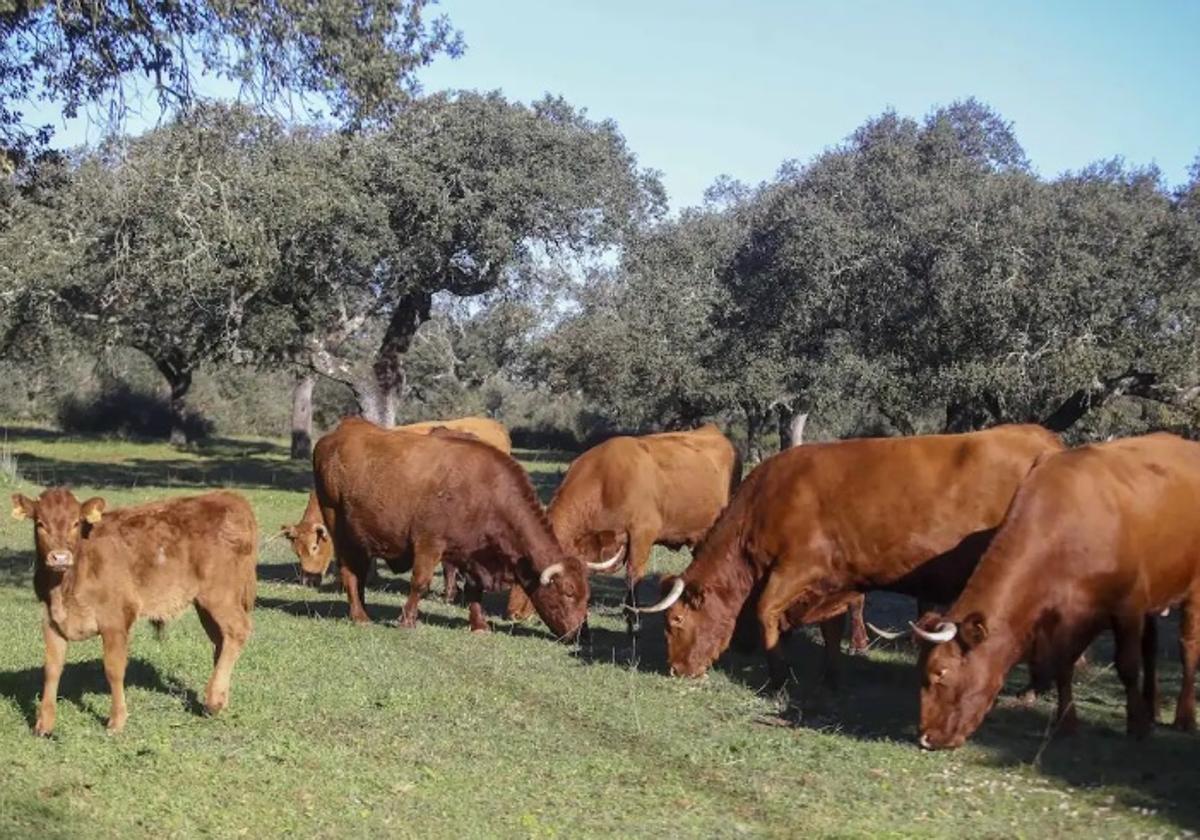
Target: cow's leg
858, 629
228, 626
56, 655
116, 655
473, 591
1150, 666
780, 593
355, 568
1189, 654
832, 630
519, 606
1128, 631
1066, 720
450, 578
637, 559
427, 554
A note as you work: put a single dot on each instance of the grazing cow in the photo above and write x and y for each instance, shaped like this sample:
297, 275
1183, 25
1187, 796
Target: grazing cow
813, 527
621, 498
310, 539
1100, 536
97, 572
448, 499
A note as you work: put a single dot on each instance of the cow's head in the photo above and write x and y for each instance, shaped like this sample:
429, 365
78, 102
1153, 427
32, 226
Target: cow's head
560, 595
60, 523
313, 547
960, 678
700, 624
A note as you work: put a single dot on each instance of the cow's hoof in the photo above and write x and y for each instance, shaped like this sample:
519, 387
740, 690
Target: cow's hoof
1184, 724
483, 629
43, 729
115, 725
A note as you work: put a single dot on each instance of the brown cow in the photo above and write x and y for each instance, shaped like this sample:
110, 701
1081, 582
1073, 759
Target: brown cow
814, 526
1101, 536
444, 499
310, 539
98, 572
621, 498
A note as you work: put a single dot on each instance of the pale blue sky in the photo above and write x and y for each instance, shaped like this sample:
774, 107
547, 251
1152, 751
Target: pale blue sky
703, 88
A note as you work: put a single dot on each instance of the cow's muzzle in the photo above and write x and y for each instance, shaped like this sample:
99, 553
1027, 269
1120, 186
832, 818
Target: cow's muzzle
312, 579
59, 559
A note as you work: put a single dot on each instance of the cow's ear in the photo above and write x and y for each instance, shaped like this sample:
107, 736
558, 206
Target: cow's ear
23, 507
93, 510
288, 531
972, 630
322, 534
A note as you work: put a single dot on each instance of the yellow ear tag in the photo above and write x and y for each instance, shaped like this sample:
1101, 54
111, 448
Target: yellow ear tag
18, 512
93, 516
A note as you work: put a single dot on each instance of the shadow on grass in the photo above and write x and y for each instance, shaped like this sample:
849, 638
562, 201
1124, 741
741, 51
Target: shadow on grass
16, 568
24, 687
207, 474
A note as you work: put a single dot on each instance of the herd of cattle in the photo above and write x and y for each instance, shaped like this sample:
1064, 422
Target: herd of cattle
1036, 548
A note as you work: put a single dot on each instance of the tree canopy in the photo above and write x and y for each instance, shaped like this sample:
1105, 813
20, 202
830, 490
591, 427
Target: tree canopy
357, 57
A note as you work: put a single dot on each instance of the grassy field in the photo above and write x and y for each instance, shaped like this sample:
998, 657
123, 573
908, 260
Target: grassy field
335, 729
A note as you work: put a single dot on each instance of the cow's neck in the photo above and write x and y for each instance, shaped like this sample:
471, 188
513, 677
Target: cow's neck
57, 590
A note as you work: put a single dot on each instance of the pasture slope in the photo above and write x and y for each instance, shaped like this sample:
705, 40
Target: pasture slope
337, 730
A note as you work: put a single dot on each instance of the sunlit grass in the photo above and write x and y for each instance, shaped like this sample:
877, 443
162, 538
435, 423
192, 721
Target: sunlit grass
336, 729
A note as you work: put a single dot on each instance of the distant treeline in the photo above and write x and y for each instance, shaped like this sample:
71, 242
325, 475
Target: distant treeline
479, 256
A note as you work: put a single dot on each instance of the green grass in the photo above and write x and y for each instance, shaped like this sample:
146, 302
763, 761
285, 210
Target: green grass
336, 729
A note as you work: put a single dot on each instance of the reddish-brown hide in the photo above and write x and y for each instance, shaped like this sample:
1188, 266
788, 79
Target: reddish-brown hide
626, 495
97, 572
1101, 536
418, 500
814, 526
310, 539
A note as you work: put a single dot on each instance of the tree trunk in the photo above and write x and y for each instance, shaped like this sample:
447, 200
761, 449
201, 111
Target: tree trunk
179, 382
302, 417
754, 431
791, 426
377, 399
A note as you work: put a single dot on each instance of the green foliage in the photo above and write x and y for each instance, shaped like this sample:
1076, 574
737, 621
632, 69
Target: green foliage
359, 57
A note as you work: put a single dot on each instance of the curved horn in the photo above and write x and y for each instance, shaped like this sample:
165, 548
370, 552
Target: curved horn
945, 631
665, 603
605, 565
550, 571
890, 635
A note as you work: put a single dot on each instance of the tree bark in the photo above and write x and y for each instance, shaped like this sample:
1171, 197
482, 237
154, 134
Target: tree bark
179, 381
755, 421
791, 426
302, 416
377, 399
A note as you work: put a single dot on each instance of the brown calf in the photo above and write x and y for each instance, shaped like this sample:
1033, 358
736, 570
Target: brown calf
98, 572
1101, 536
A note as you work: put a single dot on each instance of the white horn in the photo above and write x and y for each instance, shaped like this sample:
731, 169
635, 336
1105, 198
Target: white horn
890, 635
605, 565
550, 571
945, 631
665, 603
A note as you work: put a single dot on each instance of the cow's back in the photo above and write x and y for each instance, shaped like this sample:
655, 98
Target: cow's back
878, 508
171, 552
1123, 513
484, 428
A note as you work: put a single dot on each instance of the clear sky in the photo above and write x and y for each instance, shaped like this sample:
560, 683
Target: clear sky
708, 87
